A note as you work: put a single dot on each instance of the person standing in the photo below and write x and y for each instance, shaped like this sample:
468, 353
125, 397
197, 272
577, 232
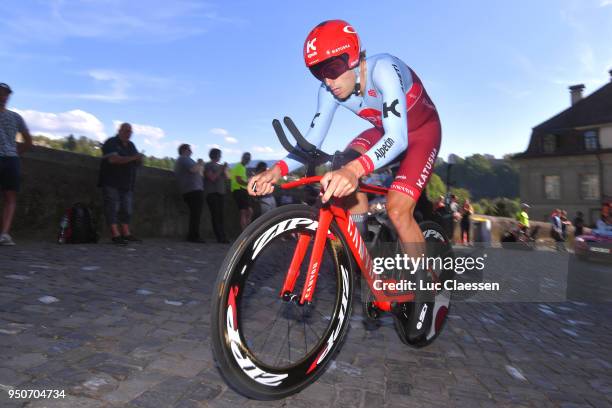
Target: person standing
456, 215
10, 169
579, 224
565, 224
556, 230
604, 223
466, 214
239, 190
191, 185
215, 185
117, 178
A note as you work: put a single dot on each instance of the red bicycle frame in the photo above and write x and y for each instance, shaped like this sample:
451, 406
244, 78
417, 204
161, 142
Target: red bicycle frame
354, 240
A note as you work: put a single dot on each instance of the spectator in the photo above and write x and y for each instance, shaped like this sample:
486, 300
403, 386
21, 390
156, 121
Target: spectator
466, 214
604, 223
579, 224
287, 199
191, 186
565, 224
238, 186
215, 175
439, 204
266, 202
117, 178
556, 230
10, 169
454, 208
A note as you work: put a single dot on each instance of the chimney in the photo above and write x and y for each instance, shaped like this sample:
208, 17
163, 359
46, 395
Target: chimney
576, 92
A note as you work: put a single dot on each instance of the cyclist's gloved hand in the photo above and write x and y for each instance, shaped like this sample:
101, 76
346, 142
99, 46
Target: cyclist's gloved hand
263, 183
341, 183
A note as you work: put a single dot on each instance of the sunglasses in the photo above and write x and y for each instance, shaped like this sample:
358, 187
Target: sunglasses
331, 68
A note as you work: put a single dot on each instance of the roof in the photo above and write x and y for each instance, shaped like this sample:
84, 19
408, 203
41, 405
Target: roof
593, 109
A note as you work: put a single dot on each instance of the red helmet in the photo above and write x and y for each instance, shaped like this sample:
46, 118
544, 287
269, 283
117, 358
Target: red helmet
332, 38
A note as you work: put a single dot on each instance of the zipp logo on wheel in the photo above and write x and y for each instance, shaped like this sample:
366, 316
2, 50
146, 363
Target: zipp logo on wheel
244, 362
278, 229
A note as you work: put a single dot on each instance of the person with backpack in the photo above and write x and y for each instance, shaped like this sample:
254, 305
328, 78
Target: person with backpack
117, 178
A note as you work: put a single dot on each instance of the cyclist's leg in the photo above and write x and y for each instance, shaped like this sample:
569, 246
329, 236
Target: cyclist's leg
414, 172
400, 208
414, 318
357, 203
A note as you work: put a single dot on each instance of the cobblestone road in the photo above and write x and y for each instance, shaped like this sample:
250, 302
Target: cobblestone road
130, 327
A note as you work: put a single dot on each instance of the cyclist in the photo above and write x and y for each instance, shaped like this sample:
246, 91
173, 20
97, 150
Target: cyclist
383, 90
523, 217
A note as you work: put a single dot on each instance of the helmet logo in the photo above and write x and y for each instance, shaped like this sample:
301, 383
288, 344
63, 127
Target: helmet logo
349, 29
310, 45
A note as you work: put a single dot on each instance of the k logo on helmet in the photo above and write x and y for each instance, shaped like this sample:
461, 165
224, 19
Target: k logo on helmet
310, 45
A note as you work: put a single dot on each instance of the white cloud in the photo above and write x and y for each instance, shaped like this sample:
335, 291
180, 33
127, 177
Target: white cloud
263, 149
159, 20
225, 134
605, 3
58, 125
219, 131
118, 86
267, 152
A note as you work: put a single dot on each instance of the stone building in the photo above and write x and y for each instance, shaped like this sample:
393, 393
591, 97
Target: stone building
568, 163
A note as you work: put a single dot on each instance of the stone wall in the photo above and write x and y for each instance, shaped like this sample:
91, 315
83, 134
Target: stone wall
53, 180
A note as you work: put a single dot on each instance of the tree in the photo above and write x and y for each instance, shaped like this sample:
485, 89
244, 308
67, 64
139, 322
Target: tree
70, 143
435, 187
461, 194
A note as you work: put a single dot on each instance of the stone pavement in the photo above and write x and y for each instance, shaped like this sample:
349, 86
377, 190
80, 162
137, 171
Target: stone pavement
118, 327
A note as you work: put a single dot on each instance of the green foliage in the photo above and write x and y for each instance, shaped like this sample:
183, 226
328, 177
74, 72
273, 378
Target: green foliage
166, 163
461, 194
70, 143
435, 188
499, 207
483, 176
84, 145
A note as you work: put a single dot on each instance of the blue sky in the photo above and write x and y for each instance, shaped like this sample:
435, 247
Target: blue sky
217, 73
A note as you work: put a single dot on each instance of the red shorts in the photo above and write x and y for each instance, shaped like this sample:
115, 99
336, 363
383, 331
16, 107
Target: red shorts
417, 162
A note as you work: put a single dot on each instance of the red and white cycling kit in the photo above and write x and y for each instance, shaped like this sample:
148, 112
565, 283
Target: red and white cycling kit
406, 124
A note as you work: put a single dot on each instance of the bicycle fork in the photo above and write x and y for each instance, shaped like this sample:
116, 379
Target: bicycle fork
325, 218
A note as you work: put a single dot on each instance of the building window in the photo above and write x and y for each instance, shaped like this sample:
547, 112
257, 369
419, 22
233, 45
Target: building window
589, 187
549, 143
591, 141
552, 187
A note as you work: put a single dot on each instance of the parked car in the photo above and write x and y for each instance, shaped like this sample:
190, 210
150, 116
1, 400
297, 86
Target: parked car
594, 247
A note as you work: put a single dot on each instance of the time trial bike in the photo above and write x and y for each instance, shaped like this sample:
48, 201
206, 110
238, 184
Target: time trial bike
277, 320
